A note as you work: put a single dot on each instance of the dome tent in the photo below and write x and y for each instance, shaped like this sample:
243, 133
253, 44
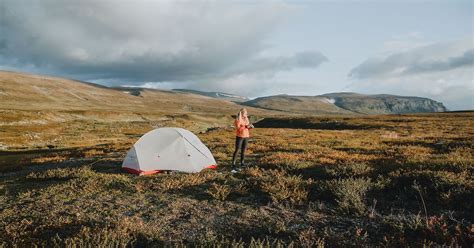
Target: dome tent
168, 148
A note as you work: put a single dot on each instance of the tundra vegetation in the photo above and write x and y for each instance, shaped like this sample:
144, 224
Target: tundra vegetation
398, 180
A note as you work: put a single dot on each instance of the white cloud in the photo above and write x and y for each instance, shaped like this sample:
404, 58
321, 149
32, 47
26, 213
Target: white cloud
432, 58
442, 71
403, 42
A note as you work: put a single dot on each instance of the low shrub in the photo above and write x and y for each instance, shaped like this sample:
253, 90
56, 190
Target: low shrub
180, 181
436, 230
219, 192
350, 194
93, 153
282, 187
61, 173
309, 238
460, 159
104, 238
349, 170
55, 159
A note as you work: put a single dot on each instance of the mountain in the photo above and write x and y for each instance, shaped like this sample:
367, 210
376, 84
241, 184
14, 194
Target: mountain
218, 95
27, 92
30, 92
384, 104
27, 99
37, 92
298, 104
348, 103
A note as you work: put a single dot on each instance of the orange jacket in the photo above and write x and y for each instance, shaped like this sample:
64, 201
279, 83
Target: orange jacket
241, 126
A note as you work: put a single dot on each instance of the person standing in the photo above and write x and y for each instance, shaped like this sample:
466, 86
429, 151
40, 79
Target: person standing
242, 126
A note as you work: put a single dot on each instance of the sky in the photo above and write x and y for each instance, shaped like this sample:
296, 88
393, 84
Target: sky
251, 48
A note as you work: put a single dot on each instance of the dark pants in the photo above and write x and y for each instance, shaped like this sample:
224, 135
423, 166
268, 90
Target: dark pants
240, 144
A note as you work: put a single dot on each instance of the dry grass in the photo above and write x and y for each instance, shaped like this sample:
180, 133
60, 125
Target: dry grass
285, 188
386, 181
219, 192
350, 194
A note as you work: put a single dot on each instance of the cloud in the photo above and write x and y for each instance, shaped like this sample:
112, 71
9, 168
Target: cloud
134, 42
443, 71
403, 42
419, 60
307, 59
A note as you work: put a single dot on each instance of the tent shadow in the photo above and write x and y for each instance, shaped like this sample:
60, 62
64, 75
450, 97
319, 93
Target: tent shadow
108, 167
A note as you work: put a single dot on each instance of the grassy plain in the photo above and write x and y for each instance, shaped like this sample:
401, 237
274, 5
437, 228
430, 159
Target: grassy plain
399, 180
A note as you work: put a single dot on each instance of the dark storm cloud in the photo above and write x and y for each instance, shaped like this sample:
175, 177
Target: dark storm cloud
143, 41
430, 59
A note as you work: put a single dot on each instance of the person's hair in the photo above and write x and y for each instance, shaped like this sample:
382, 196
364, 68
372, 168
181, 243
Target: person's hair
237, 117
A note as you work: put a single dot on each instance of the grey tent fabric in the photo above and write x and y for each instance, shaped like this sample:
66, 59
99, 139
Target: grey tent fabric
168, 148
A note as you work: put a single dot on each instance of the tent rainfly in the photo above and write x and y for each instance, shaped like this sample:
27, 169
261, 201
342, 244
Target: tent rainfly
168, 148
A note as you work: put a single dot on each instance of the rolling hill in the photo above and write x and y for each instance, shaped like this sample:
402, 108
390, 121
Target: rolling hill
20, 91
34, 92
348, 103
33, 102
298, 104
218, 95
384, 103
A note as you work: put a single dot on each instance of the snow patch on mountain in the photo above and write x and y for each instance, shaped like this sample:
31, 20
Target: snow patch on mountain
328, 100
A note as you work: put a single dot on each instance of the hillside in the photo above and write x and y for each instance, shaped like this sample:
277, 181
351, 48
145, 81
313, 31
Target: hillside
348, 103
21, 91
298, 104
218, 95
34, 109
34, 92
384, 104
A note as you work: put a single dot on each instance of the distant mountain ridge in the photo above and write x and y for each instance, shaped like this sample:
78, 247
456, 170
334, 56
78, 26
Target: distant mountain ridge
37, 92
348, 103
298, 104
385, 103
219, 95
